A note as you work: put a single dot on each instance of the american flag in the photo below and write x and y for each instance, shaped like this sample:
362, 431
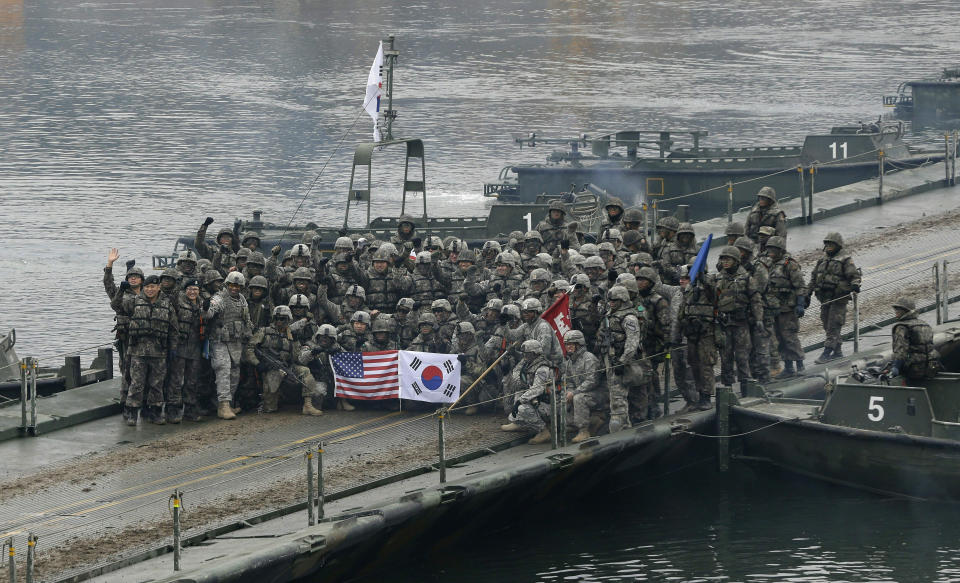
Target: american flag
366, 375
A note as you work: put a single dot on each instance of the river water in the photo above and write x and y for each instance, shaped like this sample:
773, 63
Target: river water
123, 124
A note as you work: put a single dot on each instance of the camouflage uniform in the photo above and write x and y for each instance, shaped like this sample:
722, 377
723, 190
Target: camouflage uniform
760, 336
770, 216
554, 232
697, 317
832, 280
153, 333
184, 374
625, 376
121, 327
913, 349
384, 289
738, 303
533, 381
654, 310
786, 293
223, 257
582, 376
270, 343
228, 329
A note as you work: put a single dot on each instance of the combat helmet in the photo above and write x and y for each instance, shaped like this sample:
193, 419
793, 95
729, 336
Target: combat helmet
389, 248
628, 281
495, 304
506, 259
222, 232
406, 303
171, 273
211, 276
632, 215
684, 229
574, 337
247, 236
531, 305
381, 325
589, 250
424, 258
427, 318
619, 293
835, 238
557, 206
580, 279
467, 255
257, 258
731, 252
631, 238
302, 273
768, 193
343, 244
531, 346
594, 261
357, 291
134, 271
615, 203
735, 229
382, 254
187, 256
360, 316
299, 301
326, 330
466, 328
282, 312
441, 304
747, 244
668, 223
236, 278
776, 242
540, 274
533, 236
613, 235
906, 304
259, 281
651, 274
511, 311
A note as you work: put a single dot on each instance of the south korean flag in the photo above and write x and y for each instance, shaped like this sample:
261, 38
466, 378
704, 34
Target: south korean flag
426, 376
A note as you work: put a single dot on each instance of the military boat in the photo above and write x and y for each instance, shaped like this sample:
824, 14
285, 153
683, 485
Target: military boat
928, 100
712, 181
870, 432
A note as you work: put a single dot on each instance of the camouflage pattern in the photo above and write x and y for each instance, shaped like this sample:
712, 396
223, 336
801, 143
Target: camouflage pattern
533, 382
770, 216
913, 348
147, 375
582, 377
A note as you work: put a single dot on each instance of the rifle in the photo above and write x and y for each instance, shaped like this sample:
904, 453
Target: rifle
278, 364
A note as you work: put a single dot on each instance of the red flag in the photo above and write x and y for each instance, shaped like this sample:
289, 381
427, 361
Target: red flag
558, 316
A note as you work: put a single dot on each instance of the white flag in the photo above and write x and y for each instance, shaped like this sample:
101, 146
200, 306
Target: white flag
371, 102
427, 376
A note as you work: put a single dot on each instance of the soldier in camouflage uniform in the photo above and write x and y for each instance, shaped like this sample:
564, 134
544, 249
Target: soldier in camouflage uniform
250, 240
428, 282
914, 355
584, 393
212, 284
381, 337
343, 275
833, 279
153, 333
537, 284
734, 231
354, 300
315, 355
676, 253
654, 310
532, 246
355, 333
186, 265
471, 367
428, 340
533, 382
404, 325
223, 253
536, 328
228, 328
760, 337
170, 284
738, 304
274, 353
258, 302
766, 213
633, 223
621, 347
184, 371
134, 280
468, 269
697, 317
505, 284
446, 320
584, 314
554, 229
302, 282
614, 218
787, 292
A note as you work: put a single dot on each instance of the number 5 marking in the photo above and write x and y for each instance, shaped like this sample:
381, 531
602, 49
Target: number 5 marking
875, 409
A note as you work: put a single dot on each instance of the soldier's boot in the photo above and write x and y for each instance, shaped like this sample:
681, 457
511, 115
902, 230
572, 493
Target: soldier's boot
788, 370
837, 353
225, 411
654, 411
270, 401
582, 435
705, 404
175, 414
154, 414
511, 427
236, 410
799, 366
130, 415
827, 352
618, 424
690, 406
542, 437
193, 414
471, 410
345, 405
309, 409
775, 369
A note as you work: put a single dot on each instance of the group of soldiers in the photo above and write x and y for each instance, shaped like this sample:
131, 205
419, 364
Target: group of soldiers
232, 325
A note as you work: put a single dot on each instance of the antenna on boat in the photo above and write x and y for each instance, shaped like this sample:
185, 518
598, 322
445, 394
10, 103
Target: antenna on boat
390, 60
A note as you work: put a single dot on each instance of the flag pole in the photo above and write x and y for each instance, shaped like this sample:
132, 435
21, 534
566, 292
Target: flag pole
480, 378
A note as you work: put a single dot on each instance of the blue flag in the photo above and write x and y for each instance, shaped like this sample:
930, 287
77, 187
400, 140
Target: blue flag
701, 261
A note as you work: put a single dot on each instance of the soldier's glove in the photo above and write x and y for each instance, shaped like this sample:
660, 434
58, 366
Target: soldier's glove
472, 270
565, 244
131, 263
316, 351
236, 227
208, 221
497, 287
504, 318
323, 261
462, 358
417, 241
799, 309
856, 288
124, 286
612, 276
275, 251
224, 249
516, 408
806, 301
895, 368
206, 304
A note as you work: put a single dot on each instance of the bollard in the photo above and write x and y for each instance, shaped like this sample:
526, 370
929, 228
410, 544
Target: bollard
723, 428
31, 555
945, 291
554, 414
683, 213
729, 201
946, 158
71, 372
33, 399
856, 321
880, 177
803, 197
667, 370
311, 518
813, 174
177, 498
320, 480
563, 414
441, 450
936, 289
23, 396
11, 556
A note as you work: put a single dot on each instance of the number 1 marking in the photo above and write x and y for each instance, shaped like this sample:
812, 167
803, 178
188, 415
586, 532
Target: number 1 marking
529, 217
